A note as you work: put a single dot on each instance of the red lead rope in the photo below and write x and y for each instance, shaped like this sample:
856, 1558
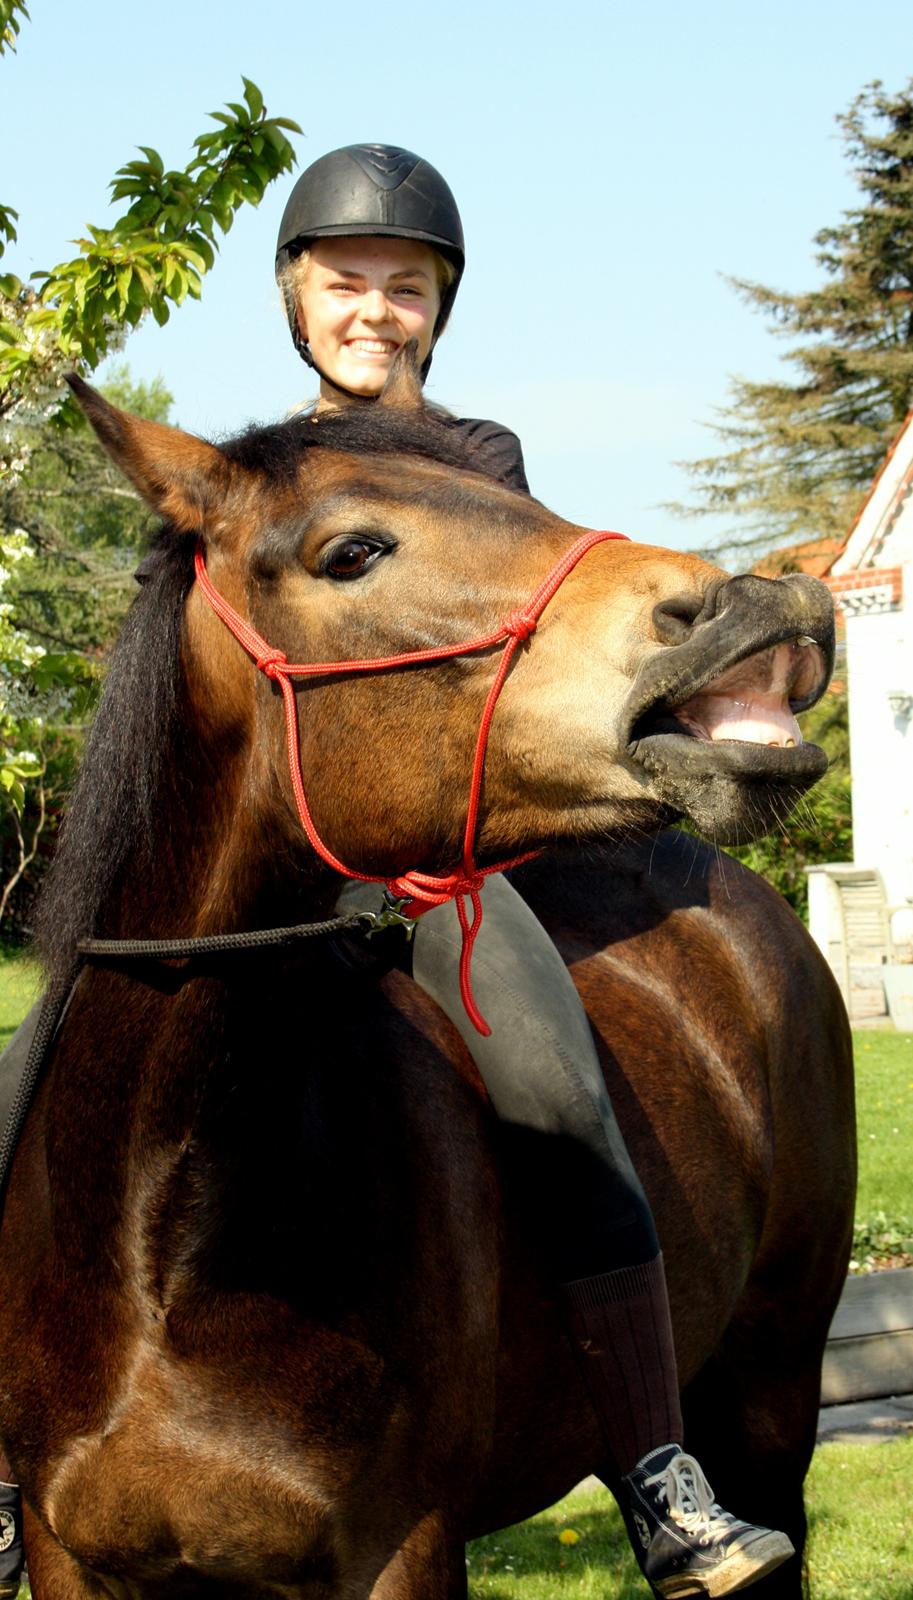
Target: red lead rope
420, 890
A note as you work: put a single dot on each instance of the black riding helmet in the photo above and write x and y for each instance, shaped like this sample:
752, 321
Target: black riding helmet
371, 189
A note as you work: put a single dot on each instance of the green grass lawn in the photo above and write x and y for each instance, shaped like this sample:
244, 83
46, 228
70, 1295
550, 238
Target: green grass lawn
884, 1101
861, 1541
19, 990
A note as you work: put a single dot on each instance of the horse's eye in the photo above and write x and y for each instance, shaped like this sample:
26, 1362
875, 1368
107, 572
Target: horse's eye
351, 557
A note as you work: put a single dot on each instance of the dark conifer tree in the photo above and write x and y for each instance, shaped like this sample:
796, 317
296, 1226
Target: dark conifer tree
800, 456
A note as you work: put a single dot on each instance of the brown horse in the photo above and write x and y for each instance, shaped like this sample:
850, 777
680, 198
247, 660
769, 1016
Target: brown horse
270, 1323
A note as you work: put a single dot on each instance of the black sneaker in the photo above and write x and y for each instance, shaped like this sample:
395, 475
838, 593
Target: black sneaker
687, 1544
11, 1549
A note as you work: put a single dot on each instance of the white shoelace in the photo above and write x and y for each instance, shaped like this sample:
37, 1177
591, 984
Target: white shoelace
690, 1500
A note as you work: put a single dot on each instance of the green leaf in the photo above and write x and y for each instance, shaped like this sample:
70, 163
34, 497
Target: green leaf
274, 138
146, 278
154, 159
9, 22
208, 252
253, 97
14, 787
193, 257
224, 194
145, 209
63, 669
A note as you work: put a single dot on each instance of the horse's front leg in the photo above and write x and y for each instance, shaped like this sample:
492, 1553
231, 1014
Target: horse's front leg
429, 1565
752, 1420
52, 1572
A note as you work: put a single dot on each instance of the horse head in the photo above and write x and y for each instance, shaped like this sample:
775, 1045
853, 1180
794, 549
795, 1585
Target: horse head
654, 686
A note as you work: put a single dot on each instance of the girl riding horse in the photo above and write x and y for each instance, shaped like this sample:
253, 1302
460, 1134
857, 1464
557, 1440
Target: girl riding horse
370, 254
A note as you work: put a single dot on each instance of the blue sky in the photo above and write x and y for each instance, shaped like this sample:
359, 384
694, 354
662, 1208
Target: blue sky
611, 163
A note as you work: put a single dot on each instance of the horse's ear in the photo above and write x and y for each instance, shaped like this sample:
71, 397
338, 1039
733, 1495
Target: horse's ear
403, 387
179, 475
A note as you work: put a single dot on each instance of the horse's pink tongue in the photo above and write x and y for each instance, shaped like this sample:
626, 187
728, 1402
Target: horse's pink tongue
750, 701
759, 719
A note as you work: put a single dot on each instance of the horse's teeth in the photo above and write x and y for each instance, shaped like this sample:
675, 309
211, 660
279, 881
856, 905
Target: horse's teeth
804, 639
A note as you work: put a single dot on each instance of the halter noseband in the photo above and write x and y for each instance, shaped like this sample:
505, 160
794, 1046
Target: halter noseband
415, 892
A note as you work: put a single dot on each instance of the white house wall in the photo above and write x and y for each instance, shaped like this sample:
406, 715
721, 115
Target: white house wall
880, 661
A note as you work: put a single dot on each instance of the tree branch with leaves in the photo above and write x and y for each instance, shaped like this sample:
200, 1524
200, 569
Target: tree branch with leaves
154, 255
147, 261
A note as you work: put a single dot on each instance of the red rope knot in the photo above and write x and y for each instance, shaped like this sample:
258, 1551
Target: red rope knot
270, 664
472, 883
520, 624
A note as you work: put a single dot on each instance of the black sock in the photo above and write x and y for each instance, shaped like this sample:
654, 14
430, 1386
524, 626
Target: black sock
622, 1330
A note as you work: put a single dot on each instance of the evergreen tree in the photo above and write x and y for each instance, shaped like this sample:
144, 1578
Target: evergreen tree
800, 456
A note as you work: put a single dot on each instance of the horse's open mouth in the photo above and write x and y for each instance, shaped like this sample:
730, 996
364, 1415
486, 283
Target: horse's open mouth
742, 720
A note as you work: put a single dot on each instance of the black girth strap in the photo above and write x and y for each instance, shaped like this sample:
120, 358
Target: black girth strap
219, 943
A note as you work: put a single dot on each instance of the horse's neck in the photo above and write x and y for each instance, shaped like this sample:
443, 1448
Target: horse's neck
223, 858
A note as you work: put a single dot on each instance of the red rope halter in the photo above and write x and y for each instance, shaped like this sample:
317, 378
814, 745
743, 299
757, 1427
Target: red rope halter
420, 890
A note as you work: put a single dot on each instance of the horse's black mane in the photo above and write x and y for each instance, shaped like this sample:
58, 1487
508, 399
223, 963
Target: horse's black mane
132, 756
361, 430
128, 759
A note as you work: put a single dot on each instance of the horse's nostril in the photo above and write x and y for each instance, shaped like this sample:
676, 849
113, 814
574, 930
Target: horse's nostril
673, 619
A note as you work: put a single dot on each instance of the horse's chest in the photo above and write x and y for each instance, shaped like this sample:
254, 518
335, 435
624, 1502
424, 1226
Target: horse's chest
193, 1476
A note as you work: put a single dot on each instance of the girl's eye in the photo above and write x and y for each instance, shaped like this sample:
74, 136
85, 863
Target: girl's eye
351, 558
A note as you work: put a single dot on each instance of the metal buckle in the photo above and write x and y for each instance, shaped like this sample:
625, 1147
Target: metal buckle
390, 916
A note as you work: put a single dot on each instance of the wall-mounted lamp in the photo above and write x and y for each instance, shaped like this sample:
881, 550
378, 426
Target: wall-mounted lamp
901, 703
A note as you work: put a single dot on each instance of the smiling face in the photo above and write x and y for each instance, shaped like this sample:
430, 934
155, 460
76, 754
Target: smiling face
360, 299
